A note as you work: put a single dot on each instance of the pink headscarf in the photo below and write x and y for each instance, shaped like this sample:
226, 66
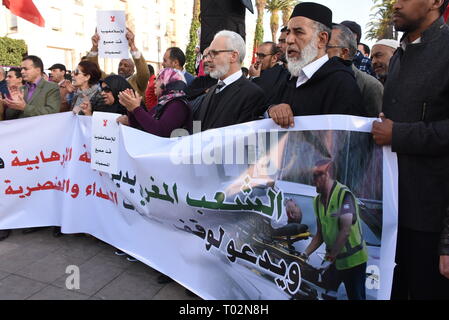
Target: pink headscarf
174, 84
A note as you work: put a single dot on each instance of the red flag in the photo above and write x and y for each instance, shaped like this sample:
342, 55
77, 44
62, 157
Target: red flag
26, 10
446, 14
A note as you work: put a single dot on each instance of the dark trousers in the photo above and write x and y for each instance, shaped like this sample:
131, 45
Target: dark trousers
354, 280
417, 275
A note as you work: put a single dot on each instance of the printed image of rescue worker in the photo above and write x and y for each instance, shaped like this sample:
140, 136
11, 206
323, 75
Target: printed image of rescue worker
338, 226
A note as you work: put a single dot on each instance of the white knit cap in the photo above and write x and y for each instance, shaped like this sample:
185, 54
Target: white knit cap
388, 42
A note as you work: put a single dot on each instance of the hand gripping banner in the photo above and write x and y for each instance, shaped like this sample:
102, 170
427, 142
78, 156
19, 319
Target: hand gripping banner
249, 211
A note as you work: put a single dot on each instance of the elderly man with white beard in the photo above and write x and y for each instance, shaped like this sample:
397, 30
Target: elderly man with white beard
318, 85
234, 99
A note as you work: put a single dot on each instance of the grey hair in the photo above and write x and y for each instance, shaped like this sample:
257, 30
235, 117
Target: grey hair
2, 71
319, 27
235, 42
347, 39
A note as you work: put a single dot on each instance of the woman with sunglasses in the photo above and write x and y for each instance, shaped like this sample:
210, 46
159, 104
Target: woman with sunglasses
172, 111
109, 102
85, 81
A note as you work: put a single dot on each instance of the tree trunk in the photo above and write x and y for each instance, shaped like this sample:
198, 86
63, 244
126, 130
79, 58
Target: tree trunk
258, 37
286, 13
274, 24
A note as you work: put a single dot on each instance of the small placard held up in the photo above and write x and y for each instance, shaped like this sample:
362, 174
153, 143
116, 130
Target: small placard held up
105, 142
111, 27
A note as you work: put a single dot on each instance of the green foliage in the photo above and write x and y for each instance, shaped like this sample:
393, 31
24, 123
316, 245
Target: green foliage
381, 24
190, 51
274, 6
12, 51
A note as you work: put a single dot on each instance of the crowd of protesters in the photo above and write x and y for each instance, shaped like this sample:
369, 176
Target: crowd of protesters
317, 67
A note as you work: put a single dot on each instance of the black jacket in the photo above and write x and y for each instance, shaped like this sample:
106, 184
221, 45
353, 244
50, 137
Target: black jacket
444, 243
331, 90
237, 104
416, 98
199, 86
271, 81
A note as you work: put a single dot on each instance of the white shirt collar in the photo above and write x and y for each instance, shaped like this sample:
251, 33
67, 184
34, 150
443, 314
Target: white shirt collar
232, 78
405, 43
309, 70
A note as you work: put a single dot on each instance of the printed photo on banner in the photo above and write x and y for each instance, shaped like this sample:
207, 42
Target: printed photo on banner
310, 225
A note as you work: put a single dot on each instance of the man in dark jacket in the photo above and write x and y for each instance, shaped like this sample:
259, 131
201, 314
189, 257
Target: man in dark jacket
318, 85
234, 98
416, 125
267, 73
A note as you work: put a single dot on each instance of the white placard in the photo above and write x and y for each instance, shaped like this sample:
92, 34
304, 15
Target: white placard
105, 141
111, 27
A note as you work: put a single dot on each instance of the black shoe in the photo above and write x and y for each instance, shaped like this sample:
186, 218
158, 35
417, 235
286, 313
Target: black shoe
57, 232
4, 234
30, 230
163, 279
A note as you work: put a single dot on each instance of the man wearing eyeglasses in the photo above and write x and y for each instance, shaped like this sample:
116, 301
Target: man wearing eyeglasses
267, 56
343, 44
267, 73
318, 85
234, 98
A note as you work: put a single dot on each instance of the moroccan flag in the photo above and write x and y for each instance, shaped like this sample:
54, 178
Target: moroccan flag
26, 10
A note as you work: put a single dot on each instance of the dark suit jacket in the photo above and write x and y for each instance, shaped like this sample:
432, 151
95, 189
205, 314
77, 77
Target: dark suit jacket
45, 100
238, 104
416, 98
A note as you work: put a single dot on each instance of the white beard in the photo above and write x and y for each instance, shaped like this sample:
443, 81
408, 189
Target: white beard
220, 71
308, 54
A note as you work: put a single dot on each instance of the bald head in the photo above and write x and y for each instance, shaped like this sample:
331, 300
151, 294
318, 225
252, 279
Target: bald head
126, 68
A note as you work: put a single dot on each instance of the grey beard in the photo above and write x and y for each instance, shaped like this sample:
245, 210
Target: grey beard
308, 54
220, 71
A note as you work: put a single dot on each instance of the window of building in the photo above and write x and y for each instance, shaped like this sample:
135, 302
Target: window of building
55, 19
145, 41
79, 24
12, 22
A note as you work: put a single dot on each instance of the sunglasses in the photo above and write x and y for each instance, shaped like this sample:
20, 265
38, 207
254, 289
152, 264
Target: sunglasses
261, 55
106, 89
213, 53
77, 72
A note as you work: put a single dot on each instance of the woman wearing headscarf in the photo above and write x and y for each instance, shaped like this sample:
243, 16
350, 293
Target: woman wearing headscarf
172, 111
110, 88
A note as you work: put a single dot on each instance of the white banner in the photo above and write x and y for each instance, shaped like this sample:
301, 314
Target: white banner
204, 209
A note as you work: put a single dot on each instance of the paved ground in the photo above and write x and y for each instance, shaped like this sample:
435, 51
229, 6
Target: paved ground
33, 267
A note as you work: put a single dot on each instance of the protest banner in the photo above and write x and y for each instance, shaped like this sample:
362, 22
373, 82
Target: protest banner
111, 27
209, 209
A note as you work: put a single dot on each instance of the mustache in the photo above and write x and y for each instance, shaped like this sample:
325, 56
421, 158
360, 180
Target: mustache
397, 13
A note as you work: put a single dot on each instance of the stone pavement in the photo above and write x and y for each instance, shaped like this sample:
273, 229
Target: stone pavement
33, 267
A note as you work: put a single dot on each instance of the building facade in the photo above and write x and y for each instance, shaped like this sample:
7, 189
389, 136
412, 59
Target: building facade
70, 24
